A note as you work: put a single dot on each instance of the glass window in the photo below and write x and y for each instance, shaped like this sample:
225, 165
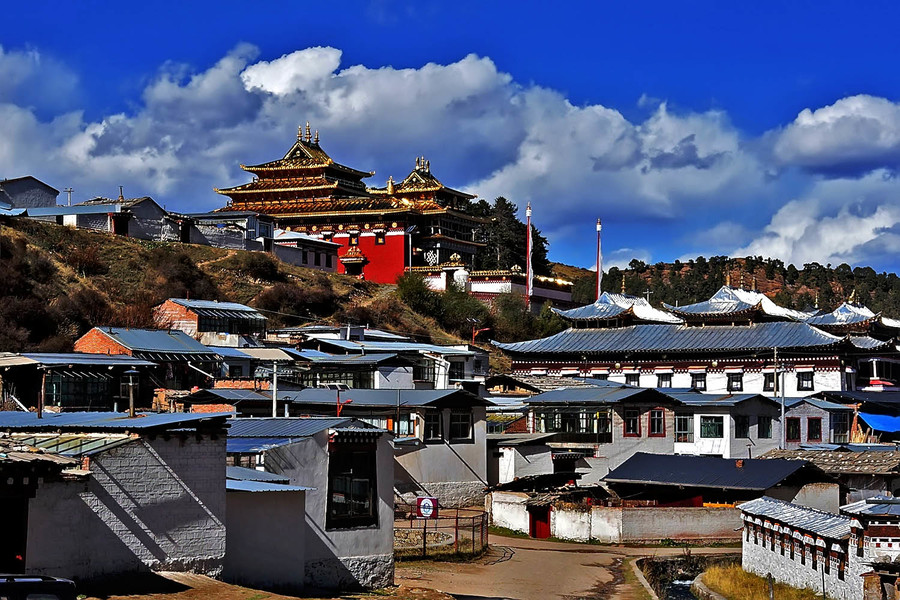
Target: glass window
768, 382
684, 428
664, 380
805, 381
840, 427
698, 381
632, 422
460, 425
814, 429
712, 427
433, 426
765, 428
351, 487
735, 382
601, 376
657, 422
457, 370
633, 379
741, 426
792, 433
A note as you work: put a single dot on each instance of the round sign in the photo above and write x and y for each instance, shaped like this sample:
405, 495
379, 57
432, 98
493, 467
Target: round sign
426, 507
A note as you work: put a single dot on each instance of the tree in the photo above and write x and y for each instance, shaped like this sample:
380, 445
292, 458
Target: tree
505, 239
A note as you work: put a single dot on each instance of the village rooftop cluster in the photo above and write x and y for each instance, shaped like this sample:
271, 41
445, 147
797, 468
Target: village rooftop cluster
279, 458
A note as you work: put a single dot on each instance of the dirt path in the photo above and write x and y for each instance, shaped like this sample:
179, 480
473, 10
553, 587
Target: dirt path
528, 569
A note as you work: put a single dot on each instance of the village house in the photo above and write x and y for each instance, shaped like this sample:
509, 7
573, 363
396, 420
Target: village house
70, 381
212, 322
26, 192
137, 494
810, 421
866, 472
181, 361
238, 230
725, 344
140, 218
304, 250
347, 466
381, 231
852, 554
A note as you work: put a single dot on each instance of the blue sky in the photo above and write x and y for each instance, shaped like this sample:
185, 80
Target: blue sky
766, 128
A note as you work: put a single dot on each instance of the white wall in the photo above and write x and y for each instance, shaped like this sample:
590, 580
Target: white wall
152, 504
395, 378
265, 546
340, 558
507, 509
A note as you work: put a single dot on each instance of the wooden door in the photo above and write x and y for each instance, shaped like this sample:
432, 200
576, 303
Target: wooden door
539, 522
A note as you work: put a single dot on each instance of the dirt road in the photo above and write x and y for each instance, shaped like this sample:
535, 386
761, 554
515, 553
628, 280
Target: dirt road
527, 569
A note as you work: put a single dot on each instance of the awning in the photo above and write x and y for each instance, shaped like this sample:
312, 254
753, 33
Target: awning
884, 423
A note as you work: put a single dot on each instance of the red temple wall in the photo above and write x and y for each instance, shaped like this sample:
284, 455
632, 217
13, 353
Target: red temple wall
387, 261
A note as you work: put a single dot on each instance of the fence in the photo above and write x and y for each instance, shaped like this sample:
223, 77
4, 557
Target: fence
453, 532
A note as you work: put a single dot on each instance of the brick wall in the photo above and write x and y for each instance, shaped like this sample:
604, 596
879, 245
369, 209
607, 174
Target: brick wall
153, 504
97, 342
243, 384
173, 315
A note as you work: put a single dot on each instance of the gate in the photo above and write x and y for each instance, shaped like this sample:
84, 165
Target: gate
455, 532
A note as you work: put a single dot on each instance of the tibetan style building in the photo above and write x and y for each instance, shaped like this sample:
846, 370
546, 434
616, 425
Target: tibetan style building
382, 231
725, 344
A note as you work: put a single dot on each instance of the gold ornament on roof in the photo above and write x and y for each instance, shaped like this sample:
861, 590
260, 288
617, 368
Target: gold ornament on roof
308, 135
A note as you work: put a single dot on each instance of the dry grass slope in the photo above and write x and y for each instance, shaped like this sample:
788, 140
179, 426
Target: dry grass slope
736, 584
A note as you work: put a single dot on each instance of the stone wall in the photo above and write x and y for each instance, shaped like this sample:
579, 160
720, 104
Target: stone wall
149, 505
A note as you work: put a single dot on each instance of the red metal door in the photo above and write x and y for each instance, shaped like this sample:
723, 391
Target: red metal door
539, 522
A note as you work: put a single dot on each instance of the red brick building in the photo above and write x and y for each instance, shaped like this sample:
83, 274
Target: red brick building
416, 222
212, 322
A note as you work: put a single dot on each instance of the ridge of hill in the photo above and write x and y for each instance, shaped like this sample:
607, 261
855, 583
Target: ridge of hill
679, 283
58, 282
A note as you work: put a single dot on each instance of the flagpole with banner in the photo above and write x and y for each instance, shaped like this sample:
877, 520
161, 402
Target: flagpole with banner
529, 275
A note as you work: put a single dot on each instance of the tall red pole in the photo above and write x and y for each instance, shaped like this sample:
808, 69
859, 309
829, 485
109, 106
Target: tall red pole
599, 261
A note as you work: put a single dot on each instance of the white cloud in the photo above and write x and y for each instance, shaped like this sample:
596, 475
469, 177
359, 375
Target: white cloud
852, 136
30, 78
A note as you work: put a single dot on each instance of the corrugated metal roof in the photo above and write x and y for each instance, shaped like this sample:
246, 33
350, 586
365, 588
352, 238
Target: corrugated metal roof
229, 395
699, 399
323, 358
245, 474
368, 346
167, 341
104, 421
596, 395
255, 445
677, 338
76, 445
55, 211
817, 402
65, 359
232, 485
875, 506
704, 471
268, 354
611, 306
367, 397
865, 342
845, 314
799, 517
13, 451
281, 427
229, 352
518, 439
214, 304
728, 300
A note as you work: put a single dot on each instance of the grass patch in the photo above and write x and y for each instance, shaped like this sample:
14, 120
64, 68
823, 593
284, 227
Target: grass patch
736, 584
631, 580
503, 531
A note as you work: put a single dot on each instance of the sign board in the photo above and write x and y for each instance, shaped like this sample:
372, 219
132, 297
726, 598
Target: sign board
426, 507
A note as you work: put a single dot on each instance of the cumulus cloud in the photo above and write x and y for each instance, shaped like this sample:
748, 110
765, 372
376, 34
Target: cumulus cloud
487, 133
32, 79
850, 137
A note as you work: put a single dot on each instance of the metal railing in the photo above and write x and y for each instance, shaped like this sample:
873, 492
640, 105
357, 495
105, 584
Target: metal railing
453, 532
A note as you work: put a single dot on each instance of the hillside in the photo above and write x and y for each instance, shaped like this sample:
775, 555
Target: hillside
696, 280
58, 282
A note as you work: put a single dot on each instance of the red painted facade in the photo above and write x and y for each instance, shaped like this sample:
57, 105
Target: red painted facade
384, 261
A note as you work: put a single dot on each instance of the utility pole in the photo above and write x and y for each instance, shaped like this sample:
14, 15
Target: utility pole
68, 192
274, 389
779, 386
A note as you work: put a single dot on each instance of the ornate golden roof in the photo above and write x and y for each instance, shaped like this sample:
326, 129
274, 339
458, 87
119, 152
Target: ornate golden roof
305, 154
420, 180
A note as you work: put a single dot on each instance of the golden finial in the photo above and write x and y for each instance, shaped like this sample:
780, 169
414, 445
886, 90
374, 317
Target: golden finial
623, 284
390, 185
308, 136
316, 140
852, 299
428, 166
300, 132
728, 278
817, 298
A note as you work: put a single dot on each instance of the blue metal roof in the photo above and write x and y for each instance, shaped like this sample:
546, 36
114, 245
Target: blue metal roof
245, 474
368, 397
66, 359
232, 485
213, 308
232, 395
705, 471
595, 395
368, 346
255, 445
865, 342
697, 399
285, 427
103, 421
678, 338
845, 314
164, 341
817, 402
611, 306
230, 352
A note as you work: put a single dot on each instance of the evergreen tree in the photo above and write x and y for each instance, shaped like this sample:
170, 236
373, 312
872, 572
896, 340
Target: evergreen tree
505, 239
